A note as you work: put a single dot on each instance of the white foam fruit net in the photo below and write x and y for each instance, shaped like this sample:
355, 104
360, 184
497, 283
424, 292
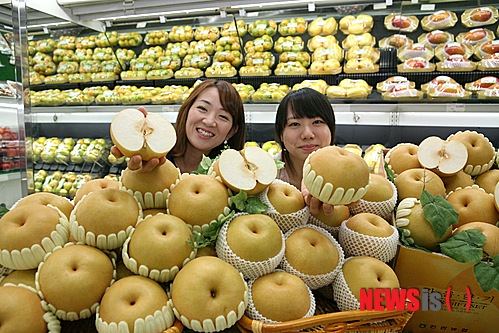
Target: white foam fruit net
321, 280
345, 299
249, 269
380, 208
252, 312
334, 231
284, 221
357, 244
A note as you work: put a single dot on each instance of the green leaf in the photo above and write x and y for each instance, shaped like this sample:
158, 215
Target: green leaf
279, 164
203, 166
240, 200
495, 261
255, 206
3, 211
439, 212
487, 276
465, 246
389, 173
210, 235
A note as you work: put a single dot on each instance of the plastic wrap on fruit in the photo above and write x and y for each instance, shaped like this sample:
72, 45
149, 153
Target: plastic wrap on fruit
482, 83
202, 46
264, 43
63, 55
401, 23
491, 62
323, 27
131, 39
188, 72
288, 44
475, 36
333, 52
445, 51
363, 52
478, 17
442, 19
293, 26
395, 41
417, 50
87, 42
107, 39
235, 58
485, 49
448, 90
435, 38
356, 25
156, 37
490, 92
46, 45
321, 41
439, 80
262, 27
360, 64
301, 57
365, 39
391, 82
325, 67
207, 33
403, 90
456, 62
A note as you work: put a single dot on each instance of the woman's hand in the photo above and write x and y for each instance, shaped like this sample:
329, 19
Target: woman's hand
314, 203
136, 162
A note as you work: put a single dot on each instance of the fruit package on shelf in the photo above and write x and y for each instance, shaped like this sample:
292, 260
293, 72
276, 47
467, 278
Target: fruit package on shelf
10, 150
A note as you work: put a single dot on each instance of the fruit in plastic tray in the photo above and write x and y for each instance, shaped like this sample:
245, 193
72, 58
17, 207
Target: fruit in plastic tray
207, 33
260, 70
108, 39
31, 47
94, 150
133, 75
167, 97
189, 72
319, 85
356, 25
401, 23
227, 43
125, 89
201, 60
301, 57
319, 26
260, 59
41, 57
270, 91
49, 148
104, 76
67, 67
109, 97
152, 53
52, 98
112, 66
325, 66
357, 64
361, 52
141, 64
136, 97
288, 44
221, 68
260, 44
63, 55
46, 45
160, 73
35, 78
201, 46
156, 37
45, 68
83, 54
102, 54
365, 39
293, 26
179, 49
56, 79
90, 66
130, 39
94, 91
172, 62
78, 150
181, 33
321, 41
415, 63
323, 54
67, 42
229, 29
87, 42
63, 152
125, 55
79, 77
244, 90
262, 27
113, 160
235, 58
397, 40
290, 66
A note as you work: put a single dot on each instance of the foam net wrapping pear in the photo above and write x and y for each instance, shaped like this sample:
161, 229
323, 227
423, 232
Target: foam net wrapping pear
321, 280
381, 208
357, 244
252, 312
334, 231
285, 221
345, 299
249, 269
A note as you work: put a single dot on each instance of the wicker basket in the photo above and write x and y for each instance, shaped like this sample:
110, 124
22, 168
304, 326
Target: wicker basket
328, 319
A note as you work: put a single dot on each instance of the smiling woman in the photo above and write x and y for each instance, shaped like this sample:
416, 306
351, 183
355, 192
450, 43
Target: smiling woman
211, 118
304, 123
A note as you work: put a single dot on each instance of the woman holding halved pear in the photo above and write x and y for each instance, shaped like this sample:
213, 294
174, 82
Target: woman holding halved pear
210, 118
304, 123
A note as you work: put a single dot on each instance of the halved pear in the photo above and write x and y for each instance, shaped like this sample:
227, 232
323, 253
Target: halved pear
247, 169
136, 134
445, 157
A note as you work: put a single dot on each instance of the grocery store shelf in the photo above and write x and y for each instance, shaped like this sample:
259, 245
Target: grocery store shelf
9, 176
443, 114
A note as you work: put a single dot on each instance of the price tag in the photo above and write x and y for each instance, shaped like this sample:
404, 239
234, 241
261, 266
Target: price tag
141, 25
167, 108
456, 107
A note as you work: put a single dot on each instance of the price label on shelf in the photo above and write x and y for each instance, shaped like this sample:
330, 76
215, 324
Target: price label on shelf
456, 107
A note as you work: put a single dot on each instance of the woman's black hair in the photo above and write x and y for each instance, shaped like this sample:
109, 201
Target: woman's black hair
303, 103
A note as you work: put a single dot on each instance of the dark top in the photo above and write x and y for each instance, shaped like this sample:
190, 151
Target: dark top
169, 157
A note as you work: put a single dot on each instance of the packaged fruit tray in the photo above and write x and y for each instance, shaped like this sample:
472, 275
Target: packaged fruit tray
328, 319
255, 71
293, 26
